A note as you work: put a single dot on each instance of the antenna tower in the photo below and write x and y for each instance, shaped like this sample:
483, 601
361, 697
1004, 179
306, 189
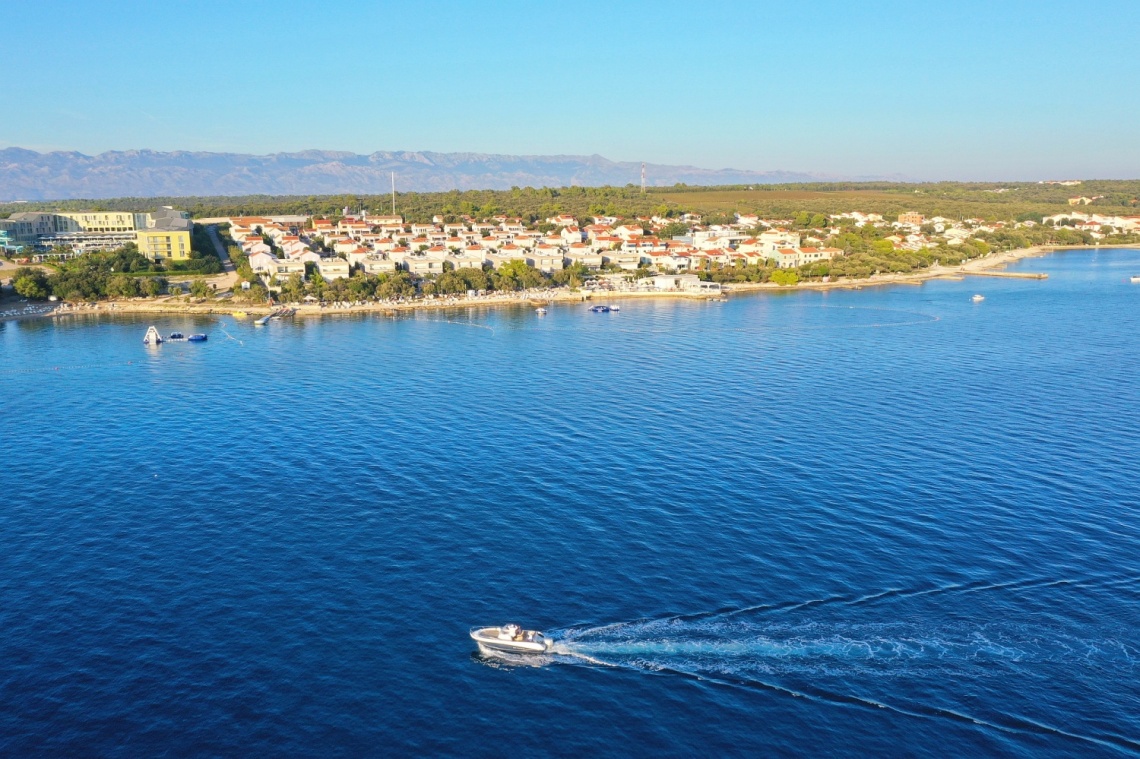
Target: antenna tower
393, 193
643, 177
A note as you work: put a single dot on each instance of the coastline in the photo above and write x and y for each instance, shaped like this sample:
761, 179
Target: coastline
166, 306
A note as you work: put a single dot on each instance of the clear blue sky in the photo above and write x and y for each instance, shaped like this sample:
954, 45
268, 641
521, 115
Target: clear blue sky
1017, 89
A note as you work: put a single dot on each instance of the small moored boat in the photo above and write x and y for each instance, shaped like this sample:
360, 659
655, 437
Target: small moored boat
978, 298
615, 308
511, 639
1135, 279
540, 311
176, 337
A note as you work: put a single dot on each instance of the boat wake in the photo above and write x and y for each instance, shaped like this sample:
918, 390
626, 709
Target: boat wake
746, 649
838, 663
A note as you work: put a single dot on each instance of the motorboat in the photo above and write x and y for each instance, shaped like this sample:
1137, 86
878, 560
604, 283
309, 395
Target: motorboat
615, 308
152, 337
176, 337
1135, 279
978, 298
540, 311
198, 338
511, 639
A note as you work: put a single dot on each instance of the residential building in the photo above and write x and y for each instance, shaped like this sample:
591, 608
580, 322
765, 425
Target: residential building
683, 283
333, 268
545, 260
377, 265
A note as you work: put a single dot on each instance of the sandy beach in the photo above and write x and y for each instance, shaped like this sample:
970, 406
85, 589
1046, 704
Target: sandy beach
17, 309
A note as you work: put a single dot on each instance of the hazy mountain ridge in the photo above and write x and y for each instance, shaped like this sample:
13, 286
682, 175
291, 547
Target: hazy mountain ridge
29, 175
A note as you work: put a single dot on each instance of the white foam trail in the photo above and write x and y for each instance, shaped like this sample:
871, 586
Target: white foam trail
818, 660
751, 648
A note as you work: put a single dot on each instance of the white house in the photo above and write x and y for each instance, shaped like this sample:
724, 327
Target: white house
686, 283
583, 254
787, 258
354, 257
287, 268
570, 235
628, 232
333, 268
545, 260
263, 262
421, 264
377, 265
471, 257
777, 239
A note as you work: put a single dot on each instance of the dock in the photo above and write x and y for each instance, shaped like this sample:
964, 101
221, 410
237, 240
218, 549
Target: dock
1006, 274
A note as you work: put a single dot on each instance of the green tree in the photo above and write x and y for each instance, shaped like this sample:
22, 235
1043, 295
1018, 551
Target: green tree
31, 283
396, 285
474, 279
122, 286
362, 287
785, 277
317, 285
152, 286
294, 288
199, 288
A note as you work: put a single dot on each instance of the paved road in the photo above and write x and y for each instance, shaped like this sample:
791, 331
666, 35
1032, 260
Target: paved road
222, 252
229, 279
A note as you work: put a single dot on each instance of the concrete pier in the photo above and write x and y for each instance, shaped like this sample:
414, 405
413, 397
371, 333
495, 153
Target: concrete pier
1005, 274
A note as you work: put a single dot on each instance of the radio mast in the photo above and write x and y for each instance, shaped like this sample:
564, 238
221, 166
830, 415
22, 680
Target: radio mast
393, 193
643, 177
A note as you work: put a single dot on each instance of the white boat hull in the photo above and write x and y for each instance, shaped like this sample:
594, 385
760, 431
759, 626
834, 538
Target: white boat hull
493, 639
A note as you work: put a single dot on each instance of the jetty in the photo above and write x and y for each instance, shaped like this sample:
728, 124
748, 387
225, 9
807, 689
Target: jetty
1005, 274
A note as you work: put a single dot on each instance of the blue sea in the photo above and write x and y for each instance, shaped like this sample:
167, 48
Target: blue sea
877, 522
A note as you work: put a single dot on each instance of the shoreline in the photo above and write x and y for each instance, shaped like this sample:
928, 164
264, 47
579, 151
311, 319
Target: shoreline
539, 298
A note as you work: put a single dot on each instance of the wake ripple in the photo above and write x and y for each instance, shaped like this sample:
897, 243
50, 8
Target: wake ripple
746, 648
820, 661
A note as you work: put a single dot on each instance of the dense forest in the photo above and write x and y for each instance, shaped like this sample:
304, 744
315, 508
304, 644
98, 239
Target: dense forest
988, 201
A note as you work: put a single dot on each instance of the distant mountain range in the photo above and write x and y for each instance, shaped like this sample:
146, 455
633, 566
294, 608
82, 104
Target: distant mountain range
28, 175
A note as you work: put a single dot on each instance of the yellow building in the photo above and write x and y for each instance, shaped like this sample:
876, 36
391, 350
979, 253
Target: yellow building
162, 245
164, 235
160, 235
100, 221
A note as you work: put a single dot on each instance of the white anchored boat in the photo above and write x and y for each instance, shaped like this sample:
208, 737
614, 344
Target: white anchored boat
511, 639
1135, 279
978, 298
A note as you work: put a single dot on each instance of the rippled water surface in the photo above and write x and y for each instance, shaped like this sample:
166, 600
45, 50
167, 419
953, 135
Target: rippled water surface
879, 522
